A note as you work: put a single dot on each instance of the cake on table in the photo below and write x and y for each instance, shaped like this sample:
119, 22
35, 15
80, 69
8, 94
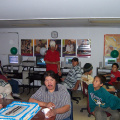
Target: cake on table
19, 111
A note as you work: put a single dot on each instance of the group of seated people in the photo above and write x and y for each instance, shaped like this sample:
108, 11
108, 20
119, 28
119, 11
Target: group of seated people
56, 96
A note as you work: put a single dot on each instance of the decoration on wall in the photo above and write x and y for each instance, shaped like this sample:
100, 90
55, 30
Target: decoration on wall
114, 54
54, 34
58, 44
26, 47
38, 45
83, 47
68, 47
13, 50
112, 42
43, 51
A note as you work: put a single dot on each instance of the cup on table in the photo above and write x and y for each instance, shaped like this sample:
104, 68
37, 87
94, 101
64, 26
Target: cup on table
45, 111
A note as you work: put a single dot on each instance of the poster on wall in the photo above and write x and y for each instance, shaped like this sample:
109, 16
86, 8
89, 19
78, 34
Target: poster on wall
84, 47
111, 42
58, 44
68, 47
39, 45
27, 47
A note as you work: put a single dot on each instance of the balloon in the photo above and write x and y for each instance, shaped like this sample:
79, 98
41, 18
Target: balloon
43, 50
114, 54
13, 50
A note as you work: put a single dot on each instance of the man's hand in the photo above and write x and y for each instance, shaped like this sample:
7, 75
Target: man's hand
59, 73
85, 79
51, 113
62, 79
75, 88
50, 104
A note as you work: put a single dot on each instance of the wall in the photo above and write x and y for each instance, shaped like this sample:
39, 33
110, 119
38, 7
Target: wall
96, 34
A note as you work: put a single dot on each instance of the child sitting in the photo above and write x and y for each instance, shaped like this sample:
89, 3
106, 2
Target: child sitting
114, 73
101, 101
86, 77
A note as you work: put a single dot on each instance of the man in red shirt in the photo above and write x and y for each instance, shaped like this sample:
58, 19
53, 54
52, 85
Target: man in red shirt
52, 59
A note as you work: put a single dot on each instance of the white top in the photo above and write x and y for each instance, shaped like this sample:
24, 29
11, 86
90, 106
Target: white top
70, 48
5, 90
88, 79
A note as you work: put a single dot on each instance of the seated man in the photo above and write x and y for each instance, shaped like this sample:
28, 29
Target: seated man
55, 96
13, 83
73, 78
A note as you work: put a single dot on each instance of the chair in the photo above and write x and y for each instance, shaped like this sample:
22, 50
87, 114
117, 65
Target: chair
85, 93
73, 98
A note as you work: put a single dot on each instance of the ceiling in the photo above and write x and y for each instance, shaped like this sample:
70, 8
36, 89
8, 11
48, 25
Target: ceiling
37, 23
59, 13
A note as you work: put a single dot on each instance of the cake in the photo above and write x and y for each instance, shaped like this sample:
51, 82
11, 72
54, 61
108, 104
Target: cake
19, 111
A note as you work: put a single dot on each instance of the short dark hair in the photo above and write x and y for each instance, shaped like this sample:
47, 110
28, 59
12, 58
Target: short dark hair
50, 73
75, 59
87, 67
115, 64
102, 78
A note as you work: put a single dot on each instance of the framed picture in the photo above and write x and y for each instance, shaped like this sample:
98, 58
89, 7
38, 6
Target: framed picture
26, 47
68, 47
83, 47
38, 44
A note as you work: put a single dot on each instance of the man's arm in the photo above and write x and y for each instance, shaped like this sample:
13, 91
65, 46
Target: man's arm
107, 75
76, 85
62, 109
43, 104
59, 71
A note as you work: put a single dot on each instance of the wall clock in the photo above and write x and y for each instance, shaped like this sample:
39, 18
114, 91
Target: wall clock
54, 34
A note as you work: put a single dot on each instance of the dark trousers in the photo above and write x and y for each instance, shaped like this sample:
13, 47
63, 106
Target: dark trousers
14, 85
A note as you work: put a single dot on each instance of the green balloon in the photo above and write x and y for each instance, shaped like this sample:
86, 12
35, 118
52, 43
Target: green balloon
13, 50
114, 54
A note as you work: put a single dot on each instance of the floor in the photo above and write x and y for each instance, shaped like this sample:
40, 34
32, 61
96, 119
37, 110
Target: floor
77, 115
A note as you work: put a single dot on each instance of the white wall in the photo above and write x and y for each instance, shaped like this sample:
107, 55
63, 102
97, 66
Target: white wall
96, 34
